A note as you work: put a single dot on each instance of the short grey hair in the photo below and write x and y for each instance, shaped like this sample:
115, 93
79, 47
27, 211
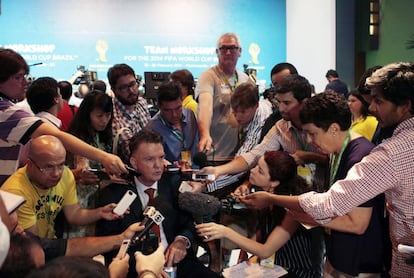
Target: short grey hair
231, 35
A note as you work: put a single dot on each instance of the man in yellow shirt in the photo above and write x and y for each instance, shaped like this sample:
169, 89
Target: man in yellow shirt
48, 187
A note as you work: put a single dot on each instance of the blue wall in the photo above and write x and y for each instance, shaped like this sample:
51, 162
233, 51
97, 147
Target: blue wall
149, 35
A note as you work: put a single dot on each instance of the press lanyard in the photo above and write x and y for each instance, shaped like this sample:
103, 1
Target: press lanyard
97, 141
336, 160
175, 133
48, 210
226, 81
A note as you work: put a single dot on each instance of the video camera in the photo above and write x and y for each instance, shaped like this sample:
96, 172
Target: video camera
88, 76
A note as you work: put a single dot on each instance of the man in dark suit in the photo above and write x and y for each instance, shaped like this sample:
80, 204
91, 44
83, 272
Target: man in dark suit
177, 230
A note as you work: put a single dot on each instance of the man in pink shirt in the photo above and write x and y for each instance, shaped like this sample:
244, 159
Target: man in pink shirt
388, 168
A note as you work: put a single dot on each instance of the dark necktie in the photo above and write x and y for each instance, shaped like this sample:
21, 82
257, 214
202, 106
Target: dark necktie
155, 228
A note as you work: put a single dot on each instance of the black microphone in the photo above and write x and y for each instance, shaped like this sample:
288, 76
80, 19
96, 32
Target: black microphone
153, 216
199, 204
200, 159
36, 64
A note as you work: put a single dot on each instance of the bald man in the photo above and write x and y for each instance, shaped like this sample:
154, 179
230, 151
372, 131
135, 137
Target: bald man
49, 187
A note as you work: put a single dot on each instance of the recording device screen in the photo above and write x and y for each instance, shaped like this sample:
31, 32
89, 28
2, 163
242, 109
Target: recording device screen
203, 177
150, 45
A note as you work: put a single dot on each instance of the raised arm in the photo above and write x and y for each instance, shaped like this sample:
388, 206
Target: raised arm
356, 221
92, 246
205, 114
112, 163
237, 165
259, 200
76, 215
279, 236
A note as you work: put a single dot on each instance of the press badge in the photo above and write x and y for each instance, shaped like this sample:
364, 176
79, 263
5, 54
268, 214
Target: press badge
225, 89
305, 172
268, 262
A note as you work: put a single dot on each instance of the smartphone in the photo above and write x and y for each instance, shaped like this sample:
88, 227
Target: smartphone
172, 168
124, 248
184, 187
203, 177
102, 175
125, 202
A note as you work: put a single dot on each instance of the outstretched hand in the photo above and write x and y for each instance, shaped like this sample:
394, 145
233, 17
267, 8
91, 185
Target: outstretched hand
257, 200
119, 267
113, 165
204, 144
106, 212
243, 189
211, 231
176, 252
132, 230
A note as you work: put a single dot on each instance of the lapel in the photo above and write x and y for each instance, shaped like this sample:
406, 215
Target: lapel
136, 207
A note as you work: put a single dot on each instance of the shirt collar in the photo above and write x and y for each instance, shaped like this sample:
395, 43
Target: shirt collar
50, 118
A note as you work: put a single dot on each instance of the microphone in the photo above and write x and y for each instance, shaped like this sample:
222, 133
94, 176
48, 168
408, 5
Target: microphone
36, 64
200, 159
199, 204
153, 216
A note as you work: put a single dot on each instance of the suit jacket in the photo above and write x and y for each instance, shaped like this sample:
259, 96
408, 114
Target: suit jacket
176, 222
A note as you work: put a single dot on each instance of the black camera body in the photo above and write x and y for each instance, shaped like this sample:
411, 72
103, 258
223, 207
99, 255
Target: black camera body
146, 246
232, 205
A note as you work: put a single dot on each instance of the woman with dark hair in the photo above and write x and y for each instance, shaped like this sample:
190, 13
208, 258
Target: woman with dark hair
362, 122
276, 172
354, 246
92, 122
93, 125
354, 242
186, 80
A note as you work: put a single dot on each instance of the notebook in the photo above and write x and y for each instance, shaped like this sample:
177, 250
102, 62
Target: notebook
12, 201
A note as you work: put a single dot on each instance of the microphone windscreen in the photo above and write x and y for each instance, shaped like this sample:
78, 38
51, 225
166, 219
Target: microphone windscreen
199, 203
200, 159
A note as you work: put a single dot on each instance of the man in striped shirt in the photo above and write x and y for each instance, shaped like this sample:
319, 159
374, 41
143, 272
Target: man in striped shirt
286, 134
131, 112
250, 114
388, 168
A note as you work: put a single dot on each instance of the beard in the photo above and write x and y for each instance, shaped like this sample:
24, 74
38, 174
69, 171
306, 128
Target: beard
131, 99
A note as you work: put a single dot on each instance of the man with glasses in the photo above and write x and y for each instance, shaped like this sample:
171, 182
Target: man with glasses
131, 112
218, 126
48, 187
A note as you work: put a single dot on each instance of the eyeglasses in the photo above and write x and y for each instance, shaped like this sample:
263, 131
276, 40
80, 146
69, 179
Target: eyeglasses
232, 48
49, 168
133, 85
20, 77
